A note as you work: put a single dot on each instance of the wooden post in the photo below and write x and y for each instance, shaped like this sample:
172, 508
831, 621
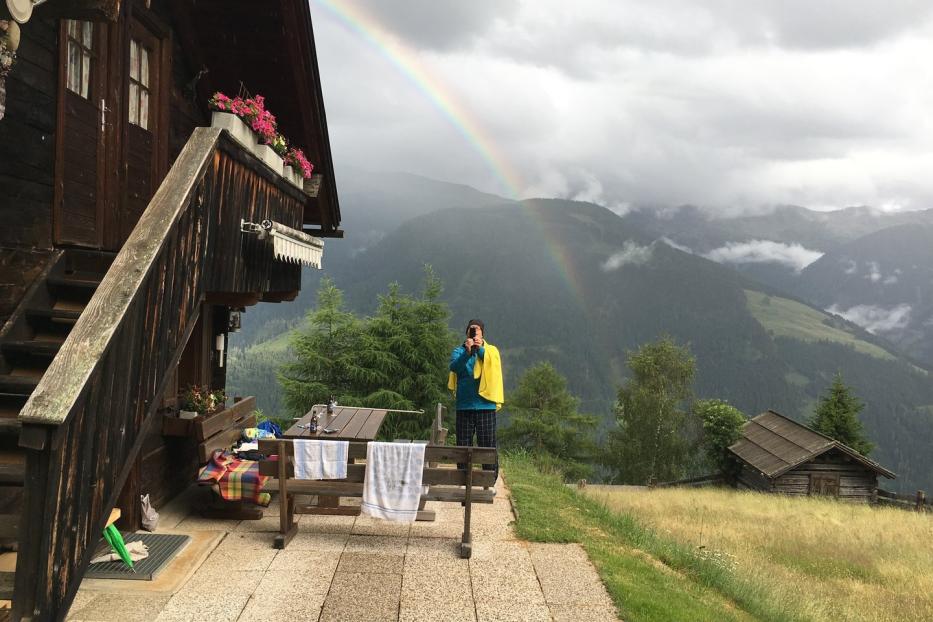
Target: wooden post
466, 545
921, 501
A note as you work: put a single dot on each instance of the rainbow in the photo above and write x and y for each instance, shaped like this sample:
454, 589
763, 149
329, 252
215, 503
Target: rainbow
367, 27
406, 61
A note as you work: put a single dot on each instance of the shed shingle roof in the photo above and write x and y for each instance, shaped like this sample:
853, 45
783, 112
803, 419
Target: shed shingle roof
774, 444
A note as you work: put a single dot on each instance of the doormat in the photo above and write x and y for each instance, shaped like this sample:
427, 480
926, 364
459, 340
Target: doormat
163, 547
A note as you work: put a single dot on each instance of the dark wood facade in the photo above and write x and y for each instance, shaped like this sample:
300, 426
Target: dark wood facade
104, 160
777, 454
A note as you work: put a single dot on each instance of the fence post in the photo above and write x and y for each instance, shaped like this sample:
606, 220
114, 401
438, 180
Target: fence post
921, 500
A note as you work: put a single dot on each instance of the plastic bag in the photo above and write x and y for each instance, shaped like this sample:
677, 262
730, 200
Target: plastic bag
150, 516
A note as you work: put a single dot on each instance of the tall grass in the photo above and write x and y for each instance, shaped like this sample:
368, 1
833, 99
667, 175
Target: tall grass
649, 575
832, 560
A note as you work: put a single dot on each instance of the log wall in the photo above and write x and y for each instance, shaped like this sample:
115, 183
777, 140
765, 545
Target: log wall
26, 171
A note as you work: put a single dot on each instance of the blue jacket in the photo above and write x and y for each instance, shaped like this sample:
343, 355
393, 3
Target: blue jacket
468, 397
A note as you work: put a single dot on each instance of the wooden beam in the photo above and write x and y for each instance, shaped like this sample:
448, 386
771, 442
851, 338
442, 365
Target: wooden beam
89, 10
233, 299
280, 296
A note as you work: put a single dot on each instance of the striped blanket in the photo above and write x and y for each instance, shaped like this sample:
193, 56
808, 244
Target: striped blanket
236, 479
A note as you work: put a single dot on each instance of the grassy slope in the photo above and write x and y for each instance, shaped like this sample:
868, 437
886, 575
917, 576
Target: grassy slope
834, 561
786, 318
650, 577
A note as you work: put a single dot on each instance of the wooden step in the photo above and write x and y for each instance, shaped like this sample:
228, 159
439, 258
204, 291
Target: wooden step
84, 281
62, 316
6, 585
18, 384
9, 526
31, 347
12, 473
10, 426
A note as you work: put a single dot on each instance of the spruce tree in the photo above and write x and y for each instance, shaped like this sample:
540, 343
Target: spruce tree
543, 419
836, 416
396, 359
650, 440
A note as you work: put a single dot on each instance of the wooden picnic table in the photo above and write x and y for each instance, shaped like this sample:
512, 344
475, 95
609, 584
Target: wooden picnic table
350, 424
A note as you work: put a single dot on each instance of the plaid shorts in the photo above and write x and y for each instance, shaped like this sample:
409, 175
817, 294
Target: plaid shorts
482, 423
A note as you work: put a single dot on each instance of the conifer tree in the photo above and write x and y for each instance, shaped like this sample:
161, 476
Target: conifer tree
544, 419
836, 416
396, 359
650, 440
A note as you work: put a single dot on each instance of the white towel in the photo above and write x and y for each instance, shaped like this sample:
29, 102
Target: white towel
392, 487
316, 459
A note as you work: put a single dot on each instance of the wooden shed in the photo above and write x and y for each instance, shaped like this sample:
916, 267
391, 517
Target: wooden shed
778, 454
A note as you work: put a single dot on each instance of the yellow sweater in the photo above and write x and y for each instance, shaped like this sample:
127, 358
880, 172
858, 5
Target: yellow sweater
489, 372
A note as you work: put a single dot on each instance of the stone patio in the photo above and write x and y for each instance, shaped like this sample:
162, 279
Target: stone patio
357, 568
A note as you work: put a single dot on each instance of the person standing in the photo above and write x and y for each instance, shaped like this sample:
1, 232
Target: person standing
476, 376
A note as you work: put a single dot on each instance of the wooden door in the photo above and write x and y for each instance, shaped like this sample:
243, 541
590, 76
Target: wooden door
827, 484
144, 120
80, 142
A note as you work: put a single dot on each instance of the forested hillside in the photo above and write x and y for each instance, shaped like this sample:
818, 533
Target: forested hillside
576, 285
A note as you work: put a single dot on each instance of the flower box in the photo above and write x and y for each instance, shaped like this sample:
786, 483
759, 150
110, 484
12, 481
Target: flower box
268, 155
294, 176
236, 127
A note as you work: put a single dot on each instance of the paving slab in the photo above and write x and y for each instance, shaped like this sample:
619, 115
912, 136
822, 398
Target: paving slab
357, 561
510, 611
577, 613
114, 607
326, 524
303, 563
283, 595
357, 568
304, 541
377, 544
435, 611
361, 587
367, 525
566, 575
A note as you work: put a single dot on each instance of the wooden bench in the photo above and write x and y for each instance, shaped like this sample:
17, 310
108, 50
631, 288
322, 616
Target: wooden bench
452, 485
220, 432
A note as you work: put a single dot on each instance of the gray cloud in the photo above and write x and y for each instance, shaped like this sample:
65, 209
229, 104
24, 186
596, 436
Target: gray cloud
631, 255
876, 319
725, 104
437, 24
765, 251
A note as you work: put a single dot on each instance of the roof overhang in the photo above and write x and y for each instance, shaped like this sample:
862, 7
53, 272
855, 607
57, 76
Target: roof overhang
268, 48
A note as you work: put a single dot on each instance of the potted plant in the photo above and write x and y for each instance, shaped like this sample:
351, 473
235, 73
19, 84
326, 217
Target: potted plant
201, 401
301, 169
247, 119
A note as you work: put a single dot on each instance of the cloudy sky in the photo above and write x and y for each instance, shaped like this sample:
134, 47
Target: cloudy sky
728, 104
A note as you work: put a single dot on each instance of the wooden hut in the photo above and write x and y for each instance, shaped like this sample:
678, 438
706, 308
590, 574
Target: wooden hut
132, 234
778, 454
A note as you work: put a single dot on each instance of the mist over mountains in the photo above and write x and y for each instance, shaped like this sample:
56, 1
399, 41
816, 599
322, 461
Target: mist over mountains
580, 286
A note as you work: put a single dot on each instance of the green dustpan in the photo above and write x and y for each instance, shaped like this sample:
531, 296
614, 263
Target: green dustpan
115, 540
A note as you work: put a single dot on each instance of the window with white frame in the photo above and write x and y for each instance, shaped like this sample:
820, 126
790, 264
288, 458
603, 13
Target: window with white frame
139, 84
80, 51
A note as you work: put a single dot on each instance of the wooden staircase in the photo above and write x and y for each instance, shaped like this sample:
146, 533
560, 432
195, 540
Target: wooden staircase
87, 382
28, 342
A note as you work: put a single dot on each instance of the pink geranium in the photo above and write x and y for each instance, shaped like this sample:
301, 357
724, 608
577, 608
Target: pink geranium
296, 159
253, 111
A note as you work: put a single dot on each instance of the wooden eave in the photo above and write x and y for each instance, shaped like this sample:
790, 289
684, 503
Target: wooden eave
90, 10
774, 444
268, 48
